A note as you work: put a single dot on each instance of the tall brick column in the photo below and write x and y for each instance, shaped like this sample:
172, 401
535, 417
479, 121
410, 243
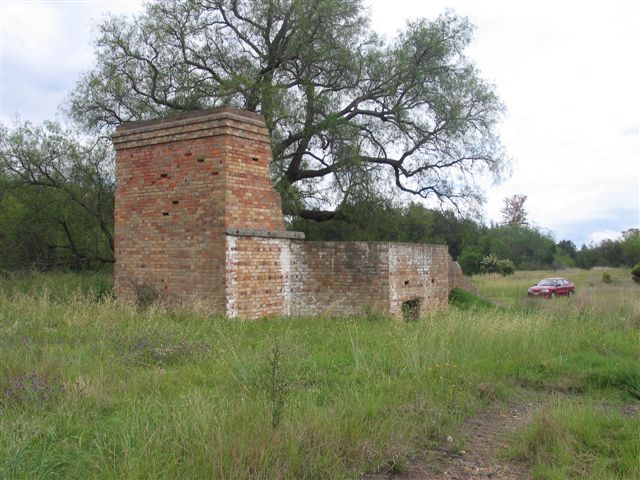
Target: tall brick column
181, 181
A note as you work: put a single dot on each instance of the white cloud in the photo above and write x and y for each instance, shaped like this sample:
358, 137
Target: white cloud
599, 236
45, 46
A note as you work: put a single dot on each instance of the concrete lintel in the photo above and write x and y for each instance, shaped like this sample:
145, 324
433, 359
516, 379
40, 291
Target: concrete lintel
246, 232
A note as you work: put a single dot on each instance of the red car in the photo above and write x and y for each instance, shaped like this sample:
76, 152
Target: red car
552, 287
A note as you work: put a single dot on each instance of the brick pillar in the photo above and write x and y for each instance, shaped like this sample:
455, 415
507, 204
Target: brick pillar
181, 181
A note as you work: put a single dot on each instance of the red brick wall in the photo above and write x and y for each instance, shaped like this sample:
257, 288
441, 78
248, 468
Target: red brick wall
196, 215
179, 182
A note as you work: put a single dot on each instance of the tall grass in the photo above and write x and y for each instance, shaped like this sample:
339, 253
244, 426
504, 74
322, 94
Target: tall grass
90, 387
575, 439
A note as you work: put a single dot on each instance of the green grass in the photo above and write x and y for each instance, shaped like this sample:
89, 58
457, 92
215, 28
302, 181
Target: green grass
90, 387
578, 439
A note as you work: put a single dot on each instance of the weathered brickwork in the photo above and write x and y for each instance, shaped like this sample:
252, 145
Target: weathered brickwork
179, 182
337, 277
418, 273
459, 279
196, 215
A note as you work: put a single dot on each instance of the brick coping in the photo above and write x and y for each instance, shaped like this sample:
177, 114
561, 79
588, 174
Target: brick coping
187, 118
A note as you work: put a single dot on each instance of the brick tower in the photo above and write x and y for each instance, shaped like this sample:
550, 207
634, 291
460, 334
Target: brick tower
181, 181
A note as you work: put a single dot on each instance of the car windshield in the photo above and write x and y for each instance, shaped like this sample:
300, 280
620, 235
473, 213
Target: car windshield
547, 282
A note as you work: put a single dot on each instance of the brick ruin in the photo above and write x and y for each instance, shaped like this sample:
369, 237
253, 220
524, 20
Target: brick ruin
196, 216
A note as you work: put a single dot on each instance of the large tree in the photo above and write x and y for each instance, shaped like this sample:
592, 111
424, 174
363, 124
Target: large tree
513, 212
349, 113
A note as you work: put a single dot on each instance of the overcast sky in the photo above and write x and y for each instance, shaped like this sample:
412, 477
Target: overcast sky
568, 72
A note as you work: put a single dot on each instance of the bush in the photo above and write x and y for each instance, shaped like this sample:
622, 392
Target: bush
606, 278
493, 264
468, 301
470, 259
635, 273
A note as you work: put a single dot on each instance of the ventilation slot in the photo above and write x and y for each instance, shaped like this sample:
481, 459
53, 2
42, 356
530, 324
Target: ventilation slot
200, 159
164, 175
166, 214
176, 202
406, 282
255, 159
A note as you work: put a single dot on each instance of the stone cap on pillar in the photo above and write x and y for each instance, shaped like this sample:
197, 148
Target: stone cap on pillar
191, 125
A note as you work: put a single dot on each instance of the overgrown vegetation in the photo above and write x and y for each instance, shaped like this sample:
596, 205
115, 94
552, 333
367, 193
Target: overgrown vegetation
577, 439
90, 387
635, 273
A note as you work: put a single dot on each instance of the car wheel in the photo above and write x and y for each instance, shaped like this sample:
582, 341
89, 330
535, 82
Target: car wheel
553, 294
571, 293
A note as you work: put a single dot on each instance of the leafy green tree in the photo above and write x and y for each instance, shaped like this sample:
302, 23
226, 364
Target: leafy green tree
528, 248
349, 113
631, 246
513, 213
377, 219
470, 259
567, 248
56, 205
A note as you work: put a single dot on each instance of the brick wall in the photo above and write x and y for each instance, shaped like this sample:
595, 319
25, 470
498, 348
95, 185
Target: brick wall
457, 279
272, 276
418, 273
179, 182
337, 277
196, 215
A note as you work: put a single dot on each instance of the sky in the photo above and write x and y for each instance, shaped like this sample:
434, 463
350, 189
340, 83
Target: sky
567, 71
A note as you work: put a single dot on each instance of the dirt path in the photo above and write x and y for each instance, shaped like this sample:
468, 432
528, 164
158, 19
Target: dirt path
482, 437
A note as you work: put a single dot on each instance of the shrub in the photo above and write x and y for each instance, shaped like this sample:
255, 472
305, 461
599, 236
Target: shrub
470, 259
606, 278
468, 301
635, 273
493, 264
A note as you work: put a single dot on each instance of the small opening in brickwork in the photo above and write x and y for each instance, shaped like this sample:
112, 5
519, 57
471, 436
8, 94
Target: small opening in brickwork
406, 282
176, 202
187, 154
166, 214
411, 310
164, 175
200, 159
255, 159
432, 280
215, 173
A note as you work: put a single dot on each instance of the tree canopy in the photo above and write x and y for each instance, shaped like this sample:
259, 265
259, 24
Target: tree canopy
56, 197
349, 113
513, 212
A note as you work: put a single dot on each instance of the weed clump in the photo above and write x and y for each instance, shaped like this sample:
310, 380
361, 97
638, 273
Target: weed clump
468, 301
32, 388
277, 384
155, 347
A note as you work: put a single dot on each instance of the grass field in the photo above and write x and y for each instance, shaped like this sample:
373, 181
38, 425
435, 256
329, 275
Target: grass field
92, 388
